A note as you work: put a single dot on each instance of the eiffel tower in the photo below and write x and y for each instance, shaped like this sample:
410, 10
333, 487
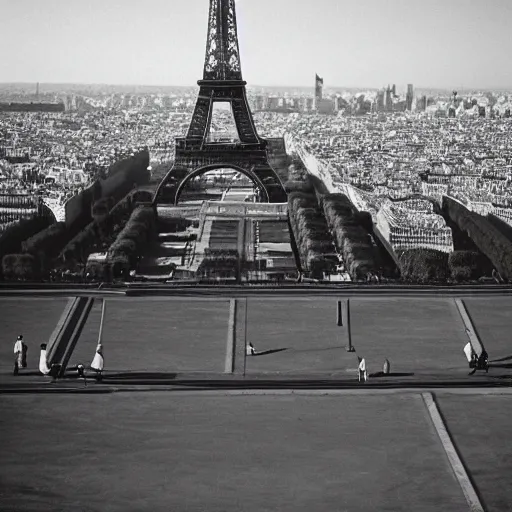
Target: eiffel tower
222, 82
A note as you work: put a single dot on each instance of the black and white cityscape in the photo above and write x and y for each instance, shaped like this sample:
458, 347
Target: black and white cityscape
260, 297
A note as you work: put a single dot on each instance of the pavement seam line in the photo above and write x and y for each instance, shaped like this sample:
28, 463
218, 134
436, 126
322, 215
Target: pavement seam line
474, 339
456, 463
231, 338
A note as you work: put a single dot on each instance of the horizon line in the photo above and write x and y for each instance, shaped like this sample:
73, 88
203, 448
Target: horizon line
439, 87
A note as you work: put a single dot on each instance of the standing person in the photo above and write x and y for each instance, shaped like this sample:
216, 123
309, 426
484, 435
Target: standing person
387, 367
18, 355
362, 373
81, 373
250, 350
98, 362
43, 363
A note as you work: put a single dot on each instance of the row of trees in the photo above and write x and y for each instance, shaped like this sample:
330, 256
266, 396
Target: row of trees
101, 233
313, 240
68, 244
468, 265
12, 238
352, 240
423, 266
298, 180
130, 244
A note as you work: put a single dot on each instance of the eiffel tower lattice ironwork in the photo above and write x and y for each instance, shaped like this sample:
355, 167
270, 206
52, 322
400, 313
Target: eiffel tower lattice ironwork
222, 82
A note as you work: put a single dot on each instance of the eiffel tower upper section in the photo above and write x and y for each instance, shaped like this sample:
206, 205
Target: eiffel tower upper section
222, 61
222, 80
222, 83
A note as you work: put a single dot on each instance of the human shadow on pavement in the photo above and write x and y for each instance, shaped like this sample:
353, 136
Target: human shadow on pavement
267, 352
494, 365
382, 374
28, 373
508, 358
139, 375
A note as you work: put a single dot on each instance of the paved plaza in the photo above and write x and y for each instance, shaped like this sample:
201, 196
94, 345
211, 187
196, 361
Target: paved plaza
128, 446
296, 336
160, 451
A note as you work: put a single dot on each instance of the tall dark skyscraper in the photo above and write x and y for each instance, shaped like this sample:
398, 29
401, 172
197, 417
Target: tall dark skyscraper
409, 97
319, 85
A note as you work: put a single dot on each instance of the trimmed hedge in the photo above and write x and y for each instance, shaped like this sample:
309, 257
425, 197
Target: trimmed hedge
12, 238
312, 238
20, 267
352, 239
489, 240
100, 234
468, 265
132, 240
298, 181
46, 244
424, 266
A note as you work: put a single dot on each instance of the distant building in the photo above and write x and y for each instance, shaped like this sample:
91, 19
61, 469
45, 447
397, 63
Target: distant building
273, 103
325, 106
409, 97
319, 85
380, 101
389, 100
32, 107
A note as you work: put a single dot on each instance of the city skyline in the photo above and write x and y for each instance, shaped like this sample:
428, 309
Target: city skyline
462, 45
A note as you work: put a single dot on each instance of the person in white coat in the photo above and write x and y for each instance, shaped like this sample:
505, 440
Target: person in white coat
361, 370
98, 362
18, 354
43, 363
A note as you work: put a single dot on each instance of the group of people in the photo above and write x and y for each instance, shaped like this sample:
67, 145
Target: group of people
20, 361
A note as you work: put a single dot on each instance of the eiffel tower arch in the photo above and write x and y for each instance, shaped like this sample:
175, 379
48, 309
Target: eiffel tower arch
222, 82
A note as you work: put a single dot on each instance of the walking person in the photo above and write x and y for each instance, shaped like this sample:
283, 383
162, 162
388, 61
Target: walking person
18, 355
98, 362
251, 351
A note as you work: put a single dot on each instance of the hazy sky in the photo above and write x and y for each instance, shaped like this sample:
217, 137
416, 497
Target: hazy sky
367, 43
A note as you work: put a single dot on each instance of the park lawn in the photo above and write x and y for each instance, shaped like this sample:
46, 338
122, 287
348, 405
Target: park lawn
493, 320
306, 328
35, 319
417, 336
481, 429
150, 335
162, 451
